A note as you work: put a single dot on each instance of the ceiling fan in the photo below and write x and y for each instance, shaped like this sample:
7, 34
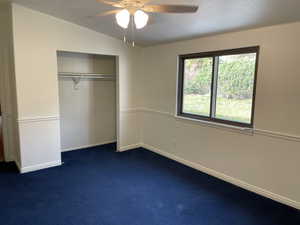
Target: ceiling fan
136, 9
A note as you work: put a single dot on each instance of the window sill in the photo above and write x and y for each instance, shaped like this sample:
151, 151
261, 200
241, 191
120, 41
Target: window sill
246, 130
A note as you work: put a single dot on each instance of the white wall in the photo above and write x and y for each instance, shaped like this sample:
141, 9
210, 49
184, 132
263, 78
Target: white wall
37, 37
7, 85
87, 114
86, 63
265, 162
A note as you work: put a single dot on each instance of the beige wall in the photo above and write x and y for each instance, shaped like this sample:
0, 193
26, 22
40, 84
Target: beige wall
266, 163
37, 37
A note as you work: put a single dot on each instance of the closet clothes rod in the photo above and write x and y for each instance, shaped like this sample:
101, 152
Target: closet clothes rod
87, 76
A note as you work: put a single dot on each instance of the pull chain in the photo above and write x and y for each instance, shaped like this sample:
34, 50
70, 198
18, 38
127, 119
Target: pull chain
132, 30
126, 33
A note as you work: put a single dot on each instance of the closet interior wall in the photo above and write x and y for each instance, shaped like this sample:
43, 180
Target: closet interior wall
88, 109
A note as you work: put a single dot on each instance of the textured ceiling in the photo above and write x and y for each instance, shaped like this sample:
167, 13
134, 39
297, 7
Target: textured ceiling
213, 16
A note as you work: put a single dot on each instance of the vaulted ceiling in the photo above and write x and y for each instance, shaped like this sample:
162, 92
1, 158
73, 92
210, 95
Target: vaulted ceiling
213, 16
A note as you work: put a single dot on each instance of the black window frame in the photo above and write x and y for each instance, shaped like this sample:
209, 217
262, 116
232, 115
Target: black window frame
215, 55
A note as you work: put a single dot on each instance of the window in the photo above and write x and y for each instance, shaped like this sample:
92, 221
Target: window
218, 86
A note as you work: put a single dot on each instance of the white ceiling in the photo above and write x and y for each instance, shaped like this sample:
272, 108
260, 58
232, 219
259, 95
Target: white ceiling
213, 16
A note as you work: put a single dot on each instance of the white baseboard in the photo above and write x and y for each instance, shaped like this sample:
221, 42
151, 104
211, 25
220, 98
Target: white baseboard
129, 147
226, 178
88, 146
38, 166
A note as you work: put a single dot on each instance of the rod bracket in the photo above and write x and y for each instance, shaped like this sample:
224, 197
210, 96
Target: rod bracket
76, 81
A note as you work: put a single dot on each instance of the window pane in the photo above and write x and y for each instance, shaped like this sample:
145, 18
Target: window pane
235, 87
197, 86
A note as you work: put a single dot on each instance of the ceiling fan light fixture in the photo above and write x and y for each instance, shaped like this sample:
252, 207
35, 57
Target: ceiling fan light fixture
123, 18
140, 19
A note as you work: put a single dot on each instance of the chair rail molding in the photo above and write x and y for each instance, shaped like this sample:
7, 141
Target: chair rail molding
37, 119
254, 131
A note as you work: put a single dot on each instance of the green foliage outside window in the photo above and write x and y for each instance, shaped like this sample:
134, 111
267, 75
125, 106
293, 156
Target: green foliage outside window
235, 76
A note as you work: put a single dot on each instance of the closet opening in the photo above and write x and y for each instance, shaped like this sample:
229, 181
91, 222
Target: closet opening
87, 99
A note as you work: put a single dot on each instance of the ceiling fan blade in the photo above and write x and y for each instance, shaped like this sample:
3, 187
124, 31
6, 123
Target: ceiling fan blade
114, 4
109, 12
146, 1
170, 8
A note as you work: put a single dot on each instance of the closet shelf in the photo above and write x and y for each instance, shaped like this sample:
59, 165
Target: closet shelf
87, 76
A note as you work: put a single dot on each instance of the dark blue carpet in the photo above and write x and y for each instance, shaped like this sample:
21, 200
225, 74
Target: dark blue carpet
100, 187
